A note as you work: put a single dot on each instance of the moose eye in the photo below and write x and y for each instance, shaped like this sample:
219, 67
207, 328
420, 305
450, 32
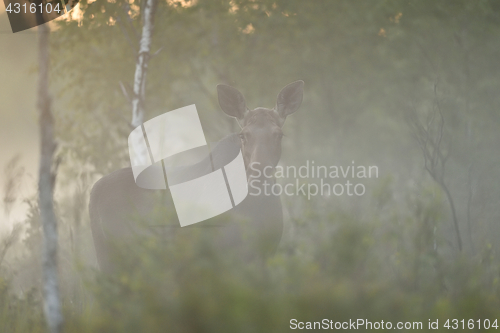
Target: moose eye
242, 136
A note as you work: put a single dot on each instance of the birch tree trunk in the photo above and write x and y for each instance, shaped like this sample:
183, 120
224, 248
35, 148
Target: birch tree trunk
47, 175
141, 66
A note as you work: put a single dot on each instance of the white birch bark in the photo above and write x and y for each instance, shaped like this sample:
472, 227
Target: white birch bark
141, 69
52, 304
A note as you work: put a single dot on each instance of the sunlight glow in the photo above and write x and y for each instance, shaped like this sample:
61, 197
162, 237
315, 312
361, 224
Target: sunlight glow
182, 3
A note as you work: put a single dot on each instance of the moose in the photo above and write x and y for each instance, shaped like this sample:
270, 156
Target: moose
256, 224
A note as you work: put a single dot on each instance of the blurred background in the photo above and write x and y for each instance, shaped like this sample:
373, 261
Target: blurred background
409, 86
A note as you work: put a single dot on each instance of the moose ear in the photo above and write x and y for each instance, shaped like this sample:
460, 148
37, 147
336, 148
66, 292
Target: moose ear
231, 101
289, 99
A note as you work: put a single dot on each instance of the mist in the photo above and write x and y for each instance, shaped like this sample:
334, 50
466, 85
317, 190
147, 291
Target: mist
381, 200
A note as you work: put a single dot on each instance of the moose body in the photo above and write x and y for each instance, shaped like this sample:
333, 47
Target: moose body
255, 225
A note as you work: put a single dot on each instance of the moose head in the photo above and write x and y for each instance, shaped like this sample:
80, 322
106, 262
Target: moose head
261, 128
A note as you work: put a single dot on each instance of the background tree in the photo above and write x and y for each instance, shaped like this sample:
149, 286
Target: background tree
46, 183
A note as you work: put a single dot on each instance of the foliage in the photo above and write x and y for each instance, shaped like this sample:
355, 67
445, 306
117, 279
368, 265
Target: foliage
392, 269
390, 255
